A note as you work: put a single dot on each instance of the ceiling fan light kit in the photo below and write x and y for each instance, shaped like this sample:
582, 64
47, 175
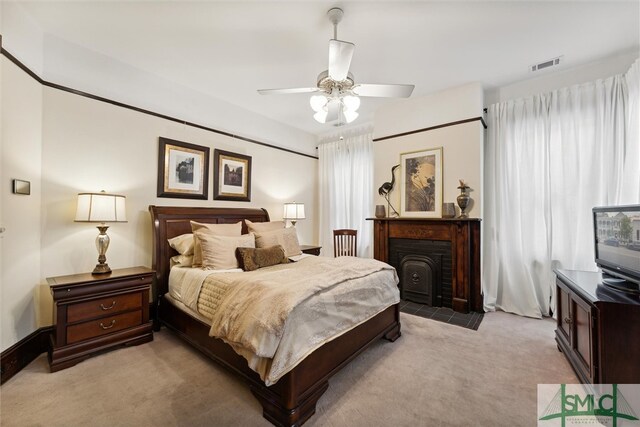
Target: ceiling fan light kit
340, 95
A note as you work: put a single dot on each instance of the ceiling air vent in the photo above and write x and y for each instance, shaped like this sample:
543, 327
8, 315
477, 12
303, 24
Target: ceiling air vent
546, 64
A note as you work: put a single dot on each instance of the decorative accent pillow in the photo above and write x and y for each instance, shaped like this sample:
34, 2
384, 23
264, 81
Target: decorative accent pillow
219, 252
255, 258
216, 229
261, 227
287, 238
183, 244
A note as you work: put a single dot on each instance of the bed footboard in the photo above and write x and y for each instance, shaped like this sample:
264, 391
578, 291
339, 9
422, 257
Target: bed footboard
292, 400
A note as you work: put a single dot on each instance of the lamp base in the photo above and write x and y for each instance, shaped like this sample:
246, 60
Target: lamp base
102, 243
101, 269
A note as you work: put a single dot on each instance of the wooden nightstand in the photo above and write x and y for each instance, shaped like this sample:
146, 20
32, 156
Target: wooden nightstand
94, 313
310, 249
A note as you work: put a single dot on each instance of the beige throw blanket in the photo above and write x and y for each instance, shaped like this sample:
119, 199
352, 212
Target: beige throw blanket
276, 316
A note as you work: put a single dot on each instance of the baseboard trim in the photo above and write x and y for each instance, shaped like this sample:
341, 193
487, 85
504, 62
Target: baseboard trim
19, 355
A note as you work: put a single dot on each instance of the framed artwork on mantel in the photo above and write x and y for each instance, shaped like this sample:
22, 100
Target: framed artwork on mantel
421, 184
183, 170
231, 176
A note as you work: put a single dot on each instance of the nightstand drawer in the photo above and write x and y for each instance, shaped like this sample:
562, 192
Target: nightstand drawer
103, 307
105, 325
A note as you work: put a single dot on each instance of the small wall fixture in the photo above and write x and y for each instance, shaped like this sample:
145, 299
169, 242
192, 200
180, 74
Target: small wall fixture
293, 212
21, 187
101, 207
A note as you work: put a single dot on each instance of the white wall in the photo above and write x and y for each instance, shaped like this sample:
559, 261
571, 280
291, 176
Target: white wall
552, 79
21, 35
21, 118
82, 69
65, 144
93, 146
462, 144
449, 105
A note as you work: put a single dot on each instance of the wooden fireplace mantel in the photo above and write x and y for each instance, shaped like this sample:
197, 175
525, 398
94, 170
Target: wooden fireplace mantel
464, 235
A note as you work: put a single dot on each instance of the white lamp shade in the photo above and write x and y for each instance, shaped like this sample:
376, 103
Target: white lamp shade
318, 102
294, 211
320, 116
350, 116
100, 207
352, 103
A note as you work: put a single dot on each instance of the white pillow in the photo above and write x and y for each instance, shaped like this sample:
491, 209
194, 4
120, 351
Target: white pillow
218, 230
287, 238
183, 244
219, 252
261, 227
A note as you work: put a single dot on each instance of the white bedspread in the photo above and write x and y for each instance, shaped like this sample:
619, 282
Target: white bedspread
278, 315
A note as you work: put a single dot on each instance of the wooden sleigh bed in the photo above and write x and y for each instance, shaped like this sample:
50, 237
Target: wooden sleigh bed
292, 400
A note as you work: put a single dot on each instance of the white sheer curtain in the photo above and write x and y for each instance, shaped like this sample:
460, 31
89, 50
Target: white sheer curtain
549, 159
346, 190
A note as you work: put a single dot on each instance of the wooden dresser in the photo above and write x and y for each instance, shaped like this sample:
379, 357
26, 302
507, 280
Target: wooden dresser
598, 328
94, 313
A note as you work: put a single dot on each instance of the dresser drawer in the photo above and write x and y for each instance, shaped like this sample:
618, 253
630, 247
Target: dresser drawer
103, 307
105, 325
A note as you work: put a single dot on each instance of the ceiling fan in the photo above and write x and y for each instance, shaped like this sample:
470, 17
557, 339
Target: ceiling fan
338, 98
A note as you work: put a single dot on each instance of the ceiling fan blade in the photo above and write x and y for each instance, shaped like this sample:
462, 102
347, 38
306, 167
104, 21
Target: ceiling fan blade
340, 54
383, 91
286, 91
333, 110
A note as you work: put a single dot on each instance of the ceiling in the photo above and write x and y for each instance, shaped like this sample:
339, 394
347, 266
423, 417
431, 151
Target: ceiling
228, 50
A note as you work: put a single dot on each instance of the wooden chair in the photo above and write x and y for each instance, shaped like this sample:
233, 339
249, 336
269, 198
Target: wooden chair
345, 242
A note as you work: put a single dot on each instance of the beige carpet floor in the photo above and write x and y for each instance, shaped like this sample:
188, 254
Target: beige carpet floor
435, 375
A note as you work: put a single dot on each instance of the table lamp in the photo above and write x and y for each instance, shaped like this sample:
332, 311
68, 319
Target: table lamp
293, 212
101, 207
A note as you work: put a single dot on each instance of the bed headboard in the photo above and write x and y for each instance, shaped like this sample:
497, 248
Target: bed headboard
172, 221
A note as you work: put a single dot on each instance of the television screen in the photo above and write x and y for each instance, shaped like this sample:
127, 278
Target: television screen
617, 240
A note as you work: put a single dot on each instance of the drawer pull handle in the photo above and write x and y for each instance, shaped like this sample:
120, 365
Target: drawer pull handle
113, 322
567, 320
113, 304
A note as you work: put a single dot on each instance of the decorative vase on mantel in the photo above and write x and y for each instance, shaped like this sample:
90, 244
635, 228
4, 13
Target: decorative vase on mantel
463, 199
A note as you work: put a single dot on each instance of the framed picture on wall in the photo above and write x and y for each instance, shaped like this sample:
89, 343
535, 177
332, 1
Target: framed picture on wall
421, 183
183, 170
231, 176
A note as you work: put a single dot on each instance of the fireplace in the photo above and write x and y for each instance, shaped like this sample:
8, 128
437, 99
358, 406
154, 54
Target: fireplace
438, 260
424, 269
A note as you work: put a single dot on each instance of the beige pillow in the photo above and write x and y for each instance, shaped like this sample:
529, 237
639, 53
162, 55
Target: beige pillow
219, 252
261, 227
218, 230
183, 244
182, 261
287, 238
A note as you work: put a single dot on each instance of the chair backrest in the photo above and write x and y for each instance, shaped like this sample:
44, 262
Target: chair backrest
345, 242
